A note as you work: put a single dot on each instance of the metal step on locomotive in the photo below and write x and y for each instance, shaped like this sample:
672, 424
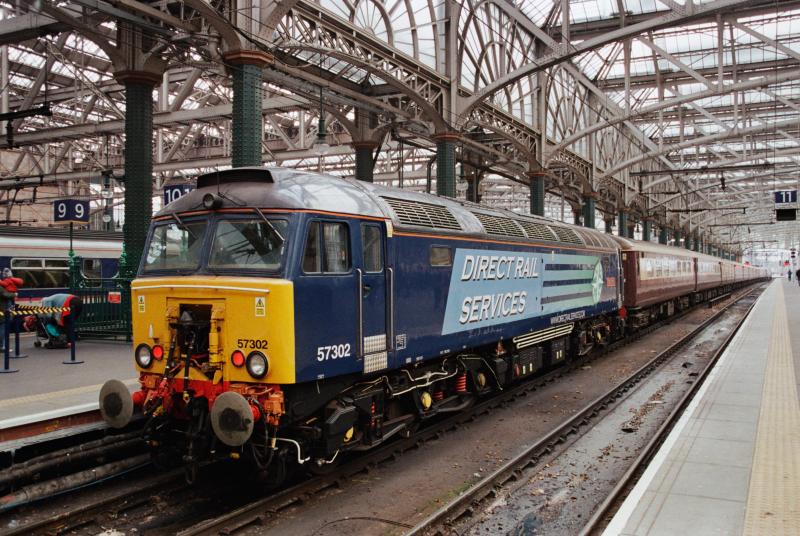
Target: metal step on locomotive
286, 317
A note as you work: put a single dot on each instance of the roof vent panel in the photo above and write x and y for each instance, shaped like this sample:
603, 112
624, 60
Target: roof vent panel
565, 234
496, 225
423, 214
537, 231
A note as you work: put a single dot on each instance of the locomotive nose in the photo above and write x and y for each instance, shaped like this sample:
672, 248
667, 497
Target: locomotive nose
116, 404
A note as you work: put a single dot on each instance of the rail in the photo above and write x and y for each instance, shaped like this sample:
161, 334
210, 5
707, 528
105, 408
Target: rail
532, 455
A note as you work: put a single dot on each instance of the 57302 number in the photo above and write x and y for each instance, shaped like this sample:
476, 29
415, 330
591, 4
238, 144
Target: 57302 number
335, 351
258, 344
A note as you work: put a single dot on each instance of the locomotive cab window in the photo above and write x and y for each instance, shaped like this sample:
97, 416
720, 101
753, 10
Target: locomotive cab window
250, 244
371, 245
175, 246
327, 248
441, 256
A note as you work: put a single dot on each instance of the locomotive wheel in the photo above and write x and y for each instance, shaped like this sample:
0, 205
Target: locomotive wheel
277, 473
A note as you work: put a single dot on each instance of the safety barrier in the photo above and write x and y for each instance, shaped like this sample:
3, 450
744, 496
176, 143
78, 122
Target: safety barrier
11, 322
27, 310
105, 312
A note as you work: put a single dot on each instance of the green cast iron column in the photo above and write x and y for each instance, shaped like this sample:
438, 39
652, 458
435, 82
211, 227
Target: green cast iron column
696, 243
687, 242
364, 160
247, 117
622, 224
662, 235
677, 235
646, 230
446, 164
588, 211
609, 225
138, 166
537, 193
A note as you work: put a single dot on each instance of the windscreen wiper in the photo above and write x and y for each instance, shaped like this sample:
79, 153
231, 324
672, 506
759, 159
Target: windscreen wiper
182, 226
269, 224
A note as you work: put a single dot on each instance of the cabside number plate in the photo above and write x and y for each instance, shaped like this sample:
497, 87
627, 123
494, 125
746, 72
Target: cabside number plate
258, 344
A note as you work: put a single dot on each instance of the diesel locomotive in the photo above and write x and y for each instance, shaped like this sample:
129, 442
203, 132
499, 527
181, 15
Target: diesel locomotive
288, 317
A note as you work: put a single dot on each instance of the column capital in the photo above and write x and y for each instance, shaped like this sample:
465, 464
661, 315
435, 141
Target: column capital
367, 144
249, 57
590, 195
447, 136
537, 173
138, 77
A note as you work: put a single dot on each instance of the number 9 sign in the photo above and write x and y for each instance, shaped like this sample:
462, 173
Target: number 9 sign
70, 210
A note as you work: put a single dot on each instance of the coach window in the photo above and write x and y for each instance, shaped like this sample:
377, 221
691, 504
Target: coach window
441, 256
327, 248
371, 245
91, 268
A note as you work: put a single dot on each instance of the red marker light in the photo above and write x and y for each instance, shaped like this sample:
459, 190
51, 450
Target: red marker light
158, 352
237, 358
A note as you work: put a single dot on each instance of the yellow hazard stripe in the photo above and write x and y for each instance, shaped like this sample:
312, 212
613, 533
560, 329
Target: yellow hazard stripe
25, 310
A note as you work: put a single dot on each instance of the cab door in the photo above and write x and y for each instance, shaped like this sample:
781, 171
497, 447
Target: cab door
373, 296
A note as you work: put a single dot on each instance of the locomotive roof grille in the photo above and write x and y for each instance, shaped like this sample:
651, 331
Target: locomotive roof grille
565, 234
423, 214
496, 225
537, 231
591, 239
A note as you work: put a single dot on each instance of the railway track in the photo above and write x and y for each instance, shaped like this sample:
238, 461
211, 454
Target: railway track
487, 488
260, 511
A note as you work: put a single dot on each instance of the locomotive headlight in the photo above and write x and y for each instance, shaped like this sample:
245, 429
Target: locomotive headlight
143, 356
257, 364
211, 201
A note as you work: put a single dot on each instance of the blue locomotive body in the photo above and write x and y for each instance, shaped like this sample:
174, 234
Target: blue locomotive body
448, 294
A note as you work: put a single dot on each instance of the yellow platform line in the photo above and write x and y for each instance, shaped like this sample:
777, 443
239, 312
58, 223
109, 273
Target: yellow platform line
773, 501
56, 394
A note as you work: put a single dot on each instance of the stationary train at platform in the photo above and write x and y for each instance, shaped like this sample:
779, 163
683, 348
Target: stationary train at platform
287, 318
39, 257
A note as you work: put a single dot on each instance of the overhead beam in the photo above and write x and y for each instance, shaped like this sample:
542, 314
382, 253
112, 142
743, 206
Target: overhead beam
702, 140
561, 52
160, 119
715, 91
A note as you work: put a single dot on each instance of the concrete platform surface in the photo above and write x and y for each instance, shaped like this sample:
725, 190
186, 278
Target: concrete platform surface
732, 463
46, 388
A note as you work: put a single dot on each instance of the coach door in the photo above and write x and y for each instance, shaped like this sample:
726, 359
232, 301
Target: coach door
374, 277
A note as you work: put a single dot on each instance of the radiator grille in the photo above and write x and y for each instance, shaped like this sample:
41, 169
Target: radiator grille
565, 234
423, 214
537, 231
495, 225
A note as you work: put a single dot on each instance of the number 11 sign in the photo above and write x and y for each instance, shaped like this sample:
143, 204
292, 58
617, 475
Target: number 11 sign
70, 211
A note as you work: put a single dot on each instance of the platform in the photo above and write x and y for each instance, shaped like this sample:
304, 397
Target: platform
731, 465
45, 389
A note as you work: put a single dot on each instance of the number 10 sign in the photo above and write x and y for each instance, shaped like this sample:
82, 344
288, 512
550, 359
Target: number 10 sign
70, 211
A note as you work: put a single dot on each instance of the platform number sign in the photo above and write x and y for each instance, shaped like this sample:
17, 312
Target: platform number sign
786, 197
175, 192
70, 211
